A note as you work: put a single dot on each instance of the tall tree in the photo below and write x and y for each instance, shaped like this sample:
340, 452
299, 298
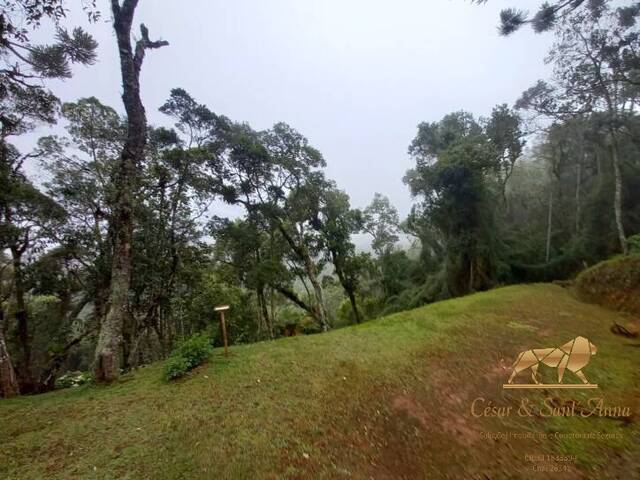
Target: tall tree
381, 221
24, 103
595, 61
107, 356
24, 64
453, 159
28, 219
275, 174
337, 223
504, 130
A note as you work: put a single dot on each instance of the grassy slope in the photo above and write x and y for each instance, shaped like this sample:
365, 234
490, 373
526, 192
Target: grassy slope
387, 399
614, 283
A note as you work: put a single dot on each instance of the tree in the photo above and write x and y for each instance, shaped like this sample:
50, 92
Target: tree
595, 59
381, 221
107, 355
28, 220
337, 223
25, 102
25, 65
453, 159
504, 131
251, 247
275, 175
81, 167
172, 199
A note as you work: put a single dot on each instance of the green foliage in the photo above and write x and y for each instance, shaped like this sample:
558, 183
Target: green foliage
614, 283
25, 64
455, 163
187, 356
549, 14
634, 244
195, 350
291, 320
175, 367
73, 379
381, 221
371, 306
290, 315
218, 287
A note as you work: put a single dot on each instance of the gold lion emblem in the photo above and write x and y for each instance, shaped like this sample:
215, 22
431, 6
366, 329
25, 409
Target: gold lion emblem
572, 356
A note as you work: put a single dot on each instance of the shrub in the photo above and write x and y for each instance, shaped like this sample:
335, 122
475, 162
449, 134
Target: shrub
634, 244
73, 379
195, 350
187, 356
175, 367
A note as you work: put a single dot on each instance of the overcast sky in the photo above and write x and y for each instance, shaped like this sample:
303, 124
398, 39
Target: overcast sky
354, 76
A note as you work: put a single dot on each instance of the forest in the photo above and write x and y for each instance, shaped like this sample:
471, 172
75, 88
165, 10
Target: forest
117, 254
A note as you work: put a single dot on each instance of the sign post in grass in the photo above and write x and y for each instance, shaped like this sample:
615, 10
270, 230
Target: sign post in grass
222, 309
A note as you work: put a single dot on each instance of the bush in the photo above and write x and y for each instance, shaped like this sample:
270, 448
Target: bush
73, 379
634, 244
175, 367
187, 356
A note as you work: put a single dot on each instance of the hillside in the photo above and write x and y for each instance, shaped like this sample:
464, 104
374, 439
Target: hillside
614, 283
387, 399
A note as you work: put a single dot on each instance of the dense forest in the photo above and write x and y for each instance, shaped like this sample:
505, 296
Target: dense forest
120, 254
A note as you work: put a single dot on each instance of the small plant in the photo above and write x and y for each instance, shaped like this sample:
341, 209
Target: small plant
175, 367
187, 356
73, 379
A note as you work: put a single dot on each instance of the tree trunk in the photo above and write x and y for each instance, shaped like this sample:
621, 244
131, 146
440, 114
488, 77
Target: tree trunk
549, 219
25, 376
354, 305
617, 200
310, 268
311, 271
8, 381
578, 187
262, 301
347, 286
107, 356
285, 292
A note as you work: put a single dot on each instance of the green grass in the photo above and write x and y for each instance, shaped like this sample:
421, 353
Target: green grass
613, 283
384, 399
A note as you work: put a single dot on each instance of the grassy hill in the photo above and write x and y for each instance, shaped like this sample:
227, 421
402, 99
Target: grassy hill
614, 283
387, 399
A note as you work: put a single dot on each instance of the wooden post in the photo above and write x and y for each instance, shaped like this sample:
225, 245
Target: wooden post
222, 309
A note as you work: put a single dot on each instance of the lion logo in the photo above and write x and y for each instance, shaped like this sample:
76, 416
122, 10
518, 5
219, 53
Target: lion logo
573, 356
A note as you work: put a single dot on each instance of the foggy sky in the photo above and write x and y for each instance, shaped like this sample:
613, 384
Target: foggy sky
354, 76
